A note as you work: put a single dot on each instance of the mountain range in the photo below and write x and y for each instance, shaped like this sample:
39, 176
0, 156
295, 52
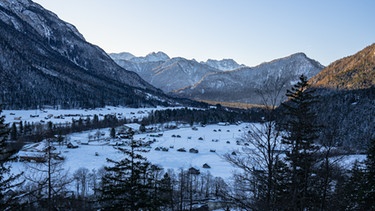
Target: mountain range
215, 80
345, 89
170, 74
46, 61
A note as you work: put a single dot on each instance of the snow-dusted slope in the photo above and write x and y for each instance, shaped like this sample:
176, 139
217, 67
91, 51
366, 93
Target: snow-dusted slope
122, 56
28, 12
214, 80
242, 85
224, 64
46, 61
167, 74
151, 57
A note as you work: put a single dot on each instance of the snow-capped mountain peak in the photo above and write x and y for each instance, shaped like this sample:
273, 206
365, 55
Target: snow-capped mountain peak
155, 57
122, 56
151, 57
219, 78
224, 64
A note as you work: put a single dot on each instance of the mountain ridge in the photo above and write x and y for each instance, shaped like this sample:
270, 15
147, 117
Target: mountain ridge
346, 95
352, 72
217, 80
44, 60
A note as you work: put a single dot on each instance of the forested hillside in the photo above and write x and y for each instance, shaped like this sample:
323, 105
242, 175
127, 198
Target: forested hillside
346, 104
46, 61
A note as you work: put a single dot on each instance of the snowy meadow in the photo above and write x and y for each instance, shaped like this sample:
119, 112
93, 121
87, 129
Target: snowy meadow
170, 148
211, 141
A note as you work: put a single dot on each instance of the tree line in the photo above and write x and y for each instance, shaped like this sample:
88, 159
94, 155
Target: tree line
204, 116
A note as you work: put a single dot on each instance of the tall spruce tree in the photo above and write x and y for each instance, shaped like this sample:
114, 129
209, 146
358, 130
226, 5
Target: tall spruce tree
8, 181
128, 183
301, 133
13, 132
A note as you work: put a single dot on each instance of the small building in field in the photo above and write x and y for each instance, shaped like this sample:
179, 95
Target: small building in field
223, 123
193, 150
38, 157
132, 126
194, 171
38, 152
72, 144
206, 166
85, 142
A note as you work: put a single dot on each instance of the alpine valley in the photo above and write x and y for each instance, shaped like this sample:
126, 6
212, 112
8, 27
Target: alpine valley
161, 133
46, 61
345, 88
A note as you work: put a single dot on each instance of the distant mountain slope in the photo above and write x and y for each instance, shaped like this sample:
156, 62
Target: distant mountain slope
44, 60
352, 72
167, 74
223, 80
242, 85
224, 64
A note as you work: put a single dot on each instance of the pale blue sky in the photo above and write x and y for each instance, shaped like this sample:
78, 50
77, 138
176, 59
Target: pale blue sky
248, 31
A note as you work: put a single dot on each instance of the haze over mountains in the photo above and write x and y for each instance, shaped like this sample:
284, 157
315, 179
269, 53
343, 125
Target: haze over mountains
221, 81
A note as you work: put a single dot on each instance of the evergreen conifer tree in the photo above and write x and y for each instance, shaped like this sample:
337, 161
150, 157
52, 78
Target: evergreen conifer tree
128, 183
113, 132
166, 191
369, 197
357, 192
13, 132
301, 132
8, 181
351, 192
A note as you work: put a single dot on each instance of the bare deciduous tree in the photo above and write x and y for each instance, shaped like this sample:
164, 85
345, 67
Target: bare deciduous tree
46, 181
259, 157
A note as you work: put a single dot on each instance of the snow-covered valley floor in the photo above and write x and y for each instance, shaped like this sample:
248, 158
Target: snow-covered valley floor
211, 141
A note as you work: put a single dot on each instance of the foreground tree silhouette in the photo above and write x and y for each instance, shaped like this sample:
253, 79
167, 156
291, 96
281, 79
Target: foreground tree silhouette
358, 190
129, 184
8, 181
47, 182
301, 133
370, 177
260, 166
